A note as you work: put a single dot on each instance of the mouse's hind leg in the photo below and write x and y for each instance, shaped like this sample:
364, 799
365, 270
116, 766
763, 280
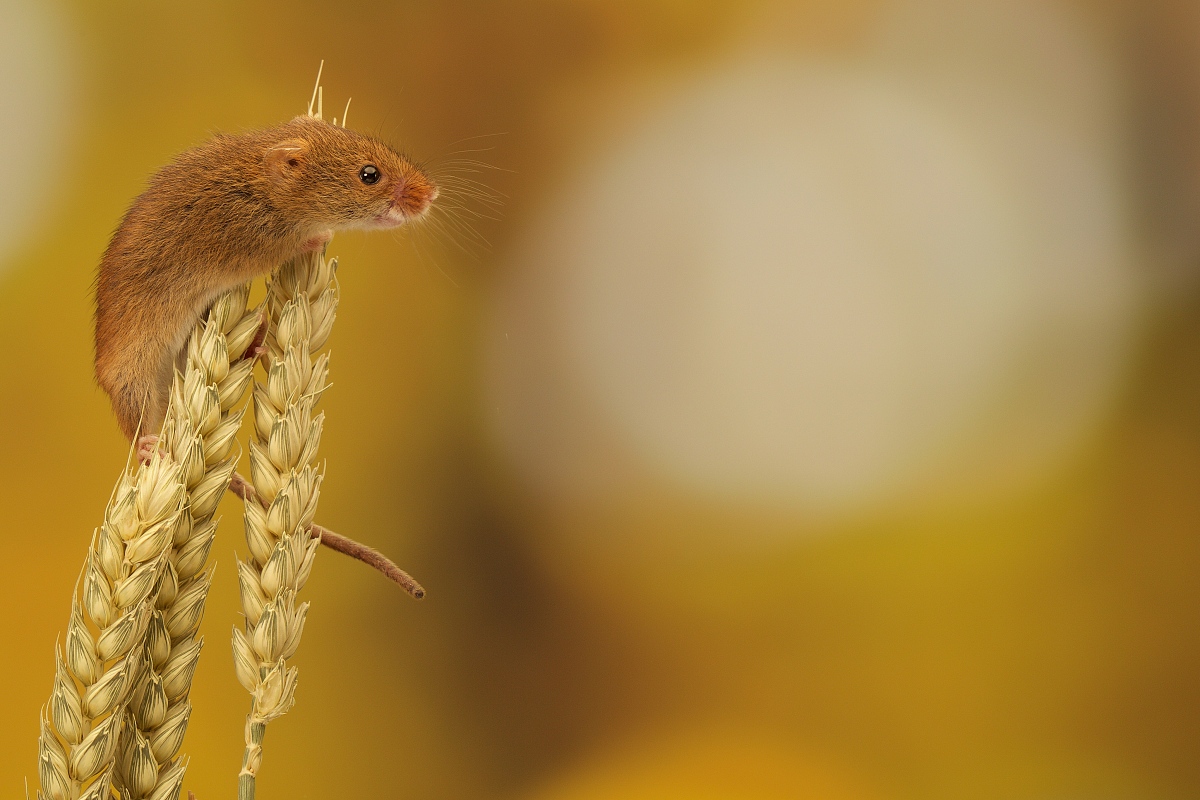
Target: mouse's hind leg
152, 410
146, 445
152, 419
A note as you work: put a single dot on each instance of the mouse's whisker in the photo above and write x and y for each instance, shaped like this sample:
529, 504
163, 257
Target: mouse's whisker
448, 157
462, 235
436, 225
466, 188
469, 188
452, 206
487, 149
464, 227
477, 136
419, 234
475, 162
469, 165
462, 180
465, 195
462, 197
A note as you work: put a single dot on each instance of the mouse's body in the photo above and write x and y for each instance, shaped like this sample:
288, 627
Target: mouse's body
219, 215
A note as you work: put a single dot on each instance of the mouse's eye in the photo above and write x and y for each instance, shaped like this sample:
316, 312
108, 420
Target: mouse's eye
369, 174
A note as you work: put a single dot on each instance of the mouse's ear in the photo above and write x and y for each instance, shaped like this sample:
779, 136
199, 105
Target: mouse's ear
284, 158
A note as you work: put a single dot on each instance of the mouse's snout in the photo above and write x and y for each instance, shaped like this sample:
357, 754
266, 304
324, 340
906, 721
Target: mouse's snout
415, 194
408, 198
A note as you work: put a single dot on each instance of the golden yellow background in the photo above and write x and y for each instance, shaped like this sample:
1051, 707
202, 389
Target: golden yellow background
955, 635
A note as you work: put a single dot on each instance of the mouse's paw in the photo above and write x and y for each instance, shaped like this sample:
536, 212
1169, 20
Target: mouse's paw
318, 241
146, 445
256, 347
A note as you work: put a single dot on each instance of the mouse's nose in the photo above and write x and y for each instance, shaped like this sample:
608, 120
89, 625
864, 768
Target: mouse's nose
415, 194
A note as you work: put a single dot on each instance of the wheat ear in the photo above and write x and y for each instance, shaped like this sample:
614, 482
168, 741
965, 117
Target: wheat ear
144, 587
199, 435
302, 301
127, 559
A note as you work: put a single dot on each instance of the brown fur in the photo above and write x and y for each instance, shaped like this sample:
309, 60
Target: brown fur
219, 215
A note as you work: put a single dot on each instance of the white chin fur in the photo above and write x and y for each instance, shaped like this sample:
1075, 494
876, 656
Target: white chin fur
393, 218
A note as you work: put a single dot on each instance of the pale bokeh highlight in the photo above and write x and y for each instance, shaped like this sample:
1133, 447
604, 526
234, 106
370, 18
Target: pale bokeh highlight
823, 284
36, 65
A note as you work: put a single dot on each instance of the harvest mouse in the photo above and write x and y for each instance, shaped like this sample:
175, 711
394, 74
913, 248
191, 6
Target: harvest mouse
219, 215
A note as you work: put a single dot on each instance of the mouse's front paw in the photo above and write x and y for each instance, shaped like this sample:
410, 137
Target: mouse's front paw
146, 445
317, 242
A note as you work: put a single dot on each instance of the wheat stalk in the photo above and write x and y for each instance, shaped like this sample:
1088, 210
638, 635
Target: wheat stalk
302, 301
119, 704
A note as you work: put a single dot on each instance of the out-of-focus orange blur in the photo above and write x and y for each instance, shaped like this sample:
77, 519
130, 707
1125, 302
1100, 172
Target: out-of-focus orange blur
788, 400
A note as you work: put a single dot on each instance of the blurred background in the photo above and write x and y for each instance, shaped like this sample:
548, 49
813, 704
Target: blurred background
791, 400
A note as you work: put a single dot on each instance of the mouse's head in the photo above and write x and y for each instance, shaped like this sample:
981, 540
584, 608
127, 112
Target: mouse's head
339, 179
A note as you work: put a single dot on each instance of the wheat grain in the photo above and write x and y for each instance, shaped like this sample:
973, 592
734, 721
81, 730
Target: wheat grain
301, 304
